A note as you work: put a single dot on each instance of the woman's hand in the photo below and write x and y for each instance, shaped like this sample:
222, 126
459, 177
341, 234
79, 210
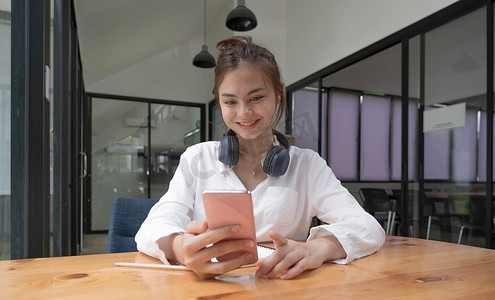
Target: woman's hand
291, 258
190, 249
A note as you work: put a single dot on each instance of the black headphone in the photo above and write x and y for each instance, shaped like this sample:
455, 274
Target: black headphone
275, 163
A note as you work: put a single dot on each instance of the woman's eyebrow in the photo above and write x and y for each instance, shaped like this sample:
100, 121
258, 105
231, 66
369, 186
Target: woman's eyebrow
250, 93
255, 90
229, 95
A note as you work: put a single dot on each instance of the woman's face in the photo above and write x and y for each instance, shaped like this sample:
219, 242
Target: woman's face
248, 102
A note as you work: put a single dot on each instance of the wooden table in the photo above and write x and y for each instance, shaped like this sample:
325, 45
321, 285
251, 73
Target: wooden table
403, 268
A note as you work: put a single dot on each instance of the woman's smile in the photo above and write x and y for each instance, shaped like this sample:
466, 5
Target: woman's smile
248, 125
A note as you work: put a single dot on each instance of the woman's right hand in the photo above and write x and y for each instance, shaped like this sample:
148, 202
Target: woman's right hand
190, 249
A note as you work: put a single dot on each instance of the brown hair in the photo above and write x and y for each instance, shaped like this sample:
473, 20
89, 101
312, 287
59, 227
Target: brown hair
239, 50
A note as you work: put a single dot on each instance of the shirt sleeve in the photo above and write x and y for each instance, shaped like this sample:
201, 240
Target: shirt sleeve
171, 214
359, 232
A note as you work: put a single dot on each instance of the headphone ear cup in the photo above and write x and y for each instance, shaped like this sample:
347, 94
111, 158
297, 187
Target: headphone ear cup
276, 161
228, 153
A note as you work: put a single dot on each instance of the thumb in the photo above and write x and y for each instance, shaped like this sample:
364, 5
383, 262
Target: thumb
196, 227
278, 239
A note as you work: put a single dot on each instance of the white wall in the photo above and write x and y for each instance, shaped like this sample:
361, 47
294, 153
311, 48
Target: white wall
5, 5
322, 32
169, 75
306, 36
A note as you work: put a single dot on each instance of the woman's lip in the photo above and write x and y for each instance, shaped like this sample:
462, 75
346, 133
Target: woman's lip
248, 125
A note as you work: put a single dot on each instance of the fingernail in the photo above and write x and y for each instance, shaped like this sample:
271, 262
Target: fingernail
249, 243
235, 229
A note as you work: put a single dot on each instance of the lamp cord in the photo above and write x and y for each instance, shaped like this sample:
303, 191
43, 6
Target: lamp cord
204, 28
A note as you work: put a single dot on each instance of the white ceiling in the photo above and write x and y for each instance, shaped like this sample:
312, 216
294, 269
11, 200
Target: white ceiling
114, 34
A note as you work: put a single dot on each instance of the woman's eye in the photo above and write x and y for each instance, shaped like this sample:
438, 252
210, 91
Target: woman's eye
257, 98
229, 102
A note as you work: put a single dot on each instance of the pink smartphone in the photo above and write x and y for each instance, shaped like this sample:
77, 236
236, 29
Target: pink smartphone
224, 208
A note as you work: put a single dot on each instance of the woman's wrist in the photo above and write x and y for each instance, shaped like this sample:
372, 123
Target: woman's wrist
171, 245
328, 248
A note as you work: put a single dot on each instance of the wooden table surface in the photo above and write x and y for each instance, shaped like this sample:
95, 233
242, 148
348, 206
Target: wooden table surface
403, 268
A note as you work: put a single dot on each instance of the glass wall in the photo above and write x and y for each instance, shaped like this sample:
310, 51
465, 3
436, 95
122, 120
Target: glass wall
363, 118
305, 112
454, 100
135, 156
173, 129
118, 156
439, 189
217, 126
5, 43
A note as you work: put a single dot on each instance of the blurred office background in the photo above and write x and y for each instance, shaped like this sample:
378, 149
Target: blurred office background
123, 101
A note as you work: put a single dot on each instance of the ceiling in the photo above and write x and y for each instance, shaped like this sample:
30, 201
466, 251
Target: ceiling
114, 34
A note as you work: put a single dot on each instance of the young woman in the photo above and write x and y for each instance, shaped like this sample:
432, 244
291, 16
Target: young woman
250, 94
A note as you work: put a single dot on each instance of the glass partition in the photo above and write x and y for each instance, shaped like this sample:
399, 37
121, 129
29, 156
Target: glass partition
119, 155
135, 156
217, 126
5, 43
305, 117
454, 103
173, 129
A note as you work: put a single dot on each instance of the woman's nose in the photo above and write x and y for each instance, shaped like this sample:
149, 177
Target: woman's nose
246, 109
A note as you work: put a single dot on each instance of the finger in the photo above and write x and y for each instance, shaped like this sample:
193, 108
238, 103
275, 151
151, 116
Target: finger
212, 269
289, 261
239, 247
196, 227
266, 265
278, 239
297, 269
203, 239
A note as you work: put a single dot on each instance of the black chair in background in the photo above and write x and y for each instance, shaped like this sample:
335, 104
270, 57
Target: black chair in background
398, 209
377, 203
477, 219
126, 217
428, 211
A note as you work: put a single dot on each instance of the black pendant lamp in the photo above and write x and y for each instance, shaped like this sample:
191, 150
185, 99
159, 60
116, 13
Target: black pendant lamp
241, 18
204, 59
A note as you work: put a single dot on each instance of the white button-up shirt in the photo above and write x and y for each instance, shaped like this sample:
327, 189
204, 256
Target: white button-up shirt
285, 204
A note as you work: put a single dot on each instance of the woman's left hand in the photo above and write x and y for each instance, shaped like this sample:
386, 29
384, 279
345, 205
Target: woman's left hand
291, 258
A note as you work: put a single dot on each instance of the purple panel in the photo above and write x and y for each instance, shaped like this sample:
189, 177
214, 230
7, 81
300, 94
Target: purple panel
482, 148
436, 156
375, 138
343, 134
305, 119
464, 149
396, 140
412, 139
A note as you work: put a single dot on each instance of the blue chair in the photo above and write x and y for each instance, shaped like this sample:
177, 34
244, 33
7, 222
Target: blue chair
126, 217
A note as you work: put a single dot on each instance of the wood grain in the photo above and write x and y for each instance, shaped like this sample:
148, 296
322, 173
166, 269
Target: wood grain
403, 268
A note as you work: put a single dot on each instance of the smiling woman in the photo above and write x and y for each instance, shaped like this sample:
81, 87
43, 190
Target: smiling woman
289, 185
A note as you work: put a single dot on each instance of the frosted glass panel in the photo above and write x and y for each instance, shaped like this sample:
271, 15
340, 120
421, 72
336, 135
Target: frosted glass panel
396, 139
375, 138
305, 119
217, 125
482, 148
343, 134
119, 155
437, 154
464, 149
5, 136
